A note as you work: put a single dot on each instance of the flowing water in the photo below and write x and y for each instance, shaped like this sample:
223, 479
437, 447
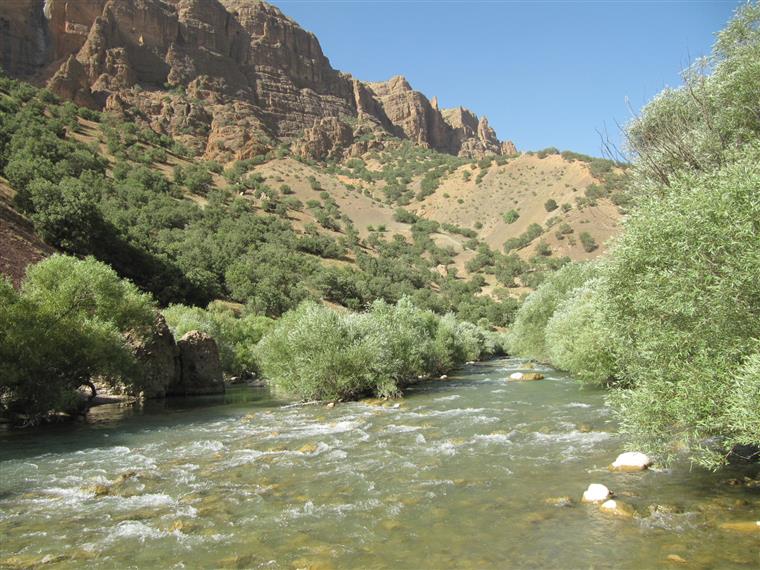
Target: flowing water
456, 475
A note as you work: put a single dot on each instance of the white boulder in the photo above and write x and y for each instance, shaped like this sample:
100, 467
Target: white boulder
596, 493
631, 461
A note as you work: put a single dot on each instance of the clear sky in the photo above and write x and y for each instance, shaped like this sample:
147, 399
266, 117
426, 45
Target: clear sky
545, 73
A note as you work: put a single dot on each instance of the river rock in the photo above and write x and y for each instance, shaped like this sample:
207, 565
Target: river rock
526, 376
630, 462
596, 493
741, 526
201, 369
308, 448
559, 501
617, 509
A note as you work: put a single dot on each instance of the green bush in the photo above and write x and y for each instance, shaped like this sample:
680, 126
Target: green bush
682, 292
588, 242
550, 205
578, 340
528, 335
65, 327
519, 242
404, 216
314, 352
511, 217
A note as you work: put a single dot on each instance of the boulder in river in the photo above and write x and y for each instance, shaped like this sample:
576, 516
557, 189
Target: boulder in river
200, 367
526, 376
596, 493
617, 509
631, 462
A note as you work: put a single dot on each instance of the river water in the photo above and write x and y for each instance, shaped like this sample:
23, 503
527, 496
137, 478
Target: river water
456, 475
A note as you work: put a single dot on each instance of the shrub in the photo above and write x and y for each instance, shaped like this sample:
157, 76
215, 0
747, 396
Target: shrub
66, 326
197, 178
511, 217
543, 248
682, 292
315, 352
550, 205
577, 338
527, 337
588, 242
404, 216
533, 231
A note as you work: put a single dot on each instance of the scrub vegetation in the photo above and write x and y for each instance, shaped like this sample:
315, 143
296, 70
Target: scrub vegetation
671, 317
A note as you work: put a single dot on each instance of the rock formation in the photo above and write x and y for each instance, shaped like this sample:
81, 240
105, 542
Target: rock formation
158, 357
229, 78
200, 367
188, 367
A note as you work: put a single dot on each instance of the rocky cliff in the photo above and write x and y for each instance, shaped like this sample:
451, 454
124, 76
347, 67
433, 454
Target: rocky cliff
229, 78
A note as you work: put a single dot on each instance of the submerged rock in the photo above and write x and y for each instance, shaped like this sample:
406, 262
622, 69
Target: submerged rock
526, 376
617, 509
631, 462
308, 448
741, 526
99, 490
559, 501
596, 493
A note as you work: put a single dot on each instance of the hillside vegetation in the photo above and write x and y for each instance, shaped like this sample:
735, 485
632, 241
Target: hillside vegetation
226, 248
671, 317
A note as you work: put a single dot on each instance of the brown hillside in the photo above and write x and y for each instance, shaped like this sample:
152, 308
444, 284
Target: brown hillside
19, 246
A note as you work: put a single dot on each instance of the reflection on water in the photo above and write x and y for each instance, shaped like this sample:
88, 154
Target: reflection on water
454, 476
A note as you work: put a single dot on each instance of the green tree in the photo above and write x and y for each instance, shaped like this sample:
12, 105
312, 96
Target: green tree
66, 326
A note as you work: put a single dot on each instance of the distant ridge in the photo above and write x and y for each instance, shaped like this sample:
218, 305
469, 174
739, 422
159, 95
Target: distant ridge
229, 78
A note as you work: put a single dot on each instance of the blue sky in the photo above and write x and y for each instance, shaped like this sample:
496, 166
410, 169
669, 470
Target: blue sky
545, 73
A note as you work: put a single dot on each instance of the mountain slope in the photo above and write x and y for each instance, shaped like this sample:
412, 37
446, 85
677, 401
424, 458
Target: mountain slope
230, 78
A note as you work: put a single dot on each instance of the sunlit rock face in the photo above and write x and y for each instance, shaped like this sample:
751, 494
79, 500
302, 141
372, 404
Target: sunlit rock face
229, 78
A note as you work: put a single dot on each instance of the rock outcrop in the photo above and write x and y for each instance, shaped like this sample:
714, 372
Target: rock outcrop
188, 367
158, 357
229, 78
200, 367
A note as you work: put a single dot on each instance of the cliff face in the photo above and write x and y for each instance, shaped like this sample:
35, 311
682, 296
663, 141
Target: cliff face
229, 78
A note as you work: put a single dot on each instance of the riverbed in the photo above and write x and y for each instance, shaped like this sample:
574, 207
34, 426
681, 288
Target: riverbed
455, 475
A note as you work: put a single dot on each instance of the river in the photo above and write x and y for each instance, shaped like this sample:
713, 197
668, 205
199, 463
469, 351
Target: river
455, 475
